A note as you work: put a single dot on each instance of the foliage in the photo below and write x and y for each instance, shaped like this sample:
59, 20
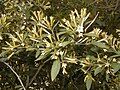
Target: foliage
38, 50
109, 11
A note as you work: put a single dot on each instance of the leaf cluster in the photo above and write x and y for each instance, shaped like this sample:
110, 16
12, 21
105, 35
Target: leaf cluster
40, 51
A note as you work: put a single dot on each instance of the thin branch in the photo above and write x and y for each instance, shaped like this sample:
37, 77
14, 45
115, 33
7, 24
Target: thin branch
106, 1
55, 25
92, 3
117, 4
91, 22
75, 86
40, 67
15, 74
27, 81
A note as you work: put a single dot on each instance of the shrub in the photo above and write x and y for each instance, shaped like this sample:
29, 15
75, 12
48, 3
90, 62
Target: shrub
40, 51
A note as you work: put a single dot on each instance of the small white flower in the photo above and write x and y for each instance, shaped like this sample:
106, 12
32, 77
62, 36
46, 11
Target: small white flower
64, 65
1, 38
60, 44
61, 53
22, 44
107, 64
80, 29
105, 50
114, 60
107, 71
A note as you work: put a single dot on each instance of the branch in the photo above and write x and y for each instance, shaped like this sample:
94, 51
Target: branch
91, 22
117, 4
40, 67
15, 74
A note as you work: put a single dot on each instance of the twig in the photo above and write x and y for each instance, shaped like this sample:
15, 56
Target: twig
15, 74
75, 86
92, 3
106, 2
55, 25
117, 4
91, 22
27, 81
109, 7
40, 67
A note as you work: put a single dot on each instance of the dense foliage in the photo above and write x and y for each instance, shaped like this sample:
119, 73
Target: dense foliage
59, 45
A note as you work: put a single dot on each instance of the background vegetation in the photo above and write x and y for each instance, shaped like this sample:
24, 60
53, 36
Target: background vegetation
59, 44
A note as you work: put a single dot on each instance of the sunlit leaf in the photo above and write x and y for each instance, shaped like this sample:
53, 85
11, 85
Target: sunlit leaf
88, 80
37, 53
3, 54
97, 70
30, 49
90, 34
101, 45
116, 67
107, 77
63, 44
55, 69
95, 33
44, 55
3, 59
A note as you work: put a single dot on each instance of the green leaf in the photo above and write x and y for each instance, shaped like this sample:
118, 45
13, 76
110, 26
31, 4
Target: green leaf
88, 81
91, 57
3, 59
114, 56
30, 49
43, 56
63, 44
37, 53
3, 54
97, 70
115, 66
90, 34
94, 49
100, 44
119, 76
61, 33
107, 77
117, 54
55, 69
